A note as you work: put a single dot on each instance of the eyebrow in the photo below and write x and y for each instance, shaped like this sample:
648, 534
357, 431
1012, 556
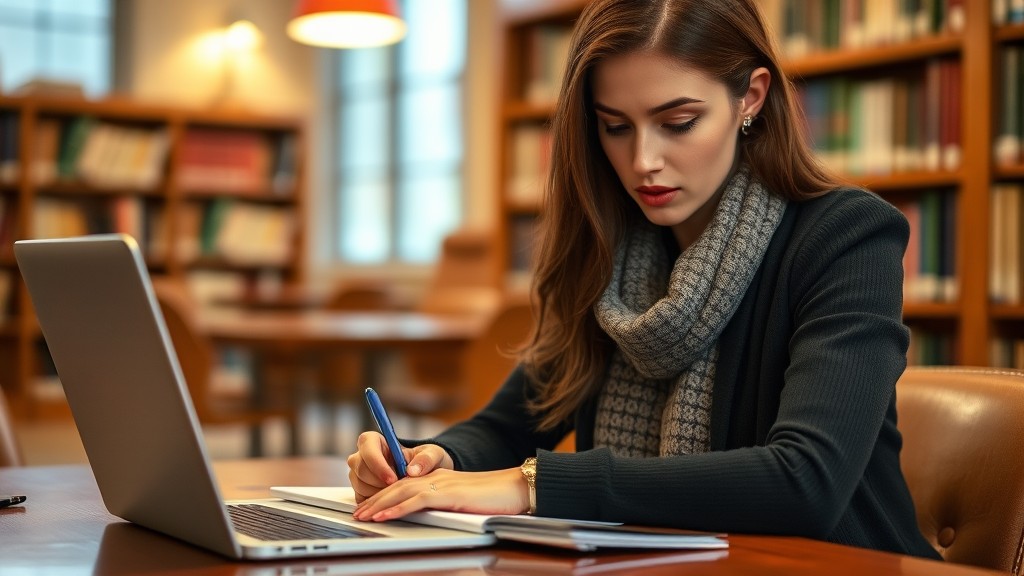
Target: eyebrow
657, 109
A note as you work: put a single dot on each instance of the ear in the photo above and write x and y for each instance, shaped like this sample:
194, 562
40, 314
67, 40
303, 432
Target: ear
753, 100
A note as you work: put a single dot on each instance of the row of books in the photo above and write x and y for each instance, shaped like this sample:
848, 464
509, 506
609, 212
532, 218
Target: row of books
237, 161
929, 264
114, 155
530, 162
60, 217
225, 288
1006, 264
1010, 121
98, 153
1007, 353
931, 348
237, 232
807, 26
9, 130
547, 50
1007, 12
891, 124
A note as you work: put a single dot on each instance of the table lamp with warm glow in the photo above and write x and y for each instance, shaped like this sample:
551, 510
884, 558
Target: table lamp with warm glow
346, 23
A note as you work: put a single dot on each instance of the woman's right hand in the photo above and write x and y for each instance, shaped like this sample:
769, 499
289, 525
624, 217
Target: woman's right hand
369, 469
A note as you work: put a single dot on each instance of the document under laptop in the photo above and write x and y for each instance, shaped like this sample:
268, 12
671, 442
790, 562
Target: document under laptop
114, 357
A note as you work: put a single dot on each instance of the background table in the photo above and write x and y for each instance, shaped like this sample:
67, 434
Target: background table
294, 339
64, 528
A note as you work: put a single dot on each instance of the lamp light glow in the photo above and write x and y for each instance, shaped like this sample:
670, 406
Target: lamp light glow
242, 35
346, 23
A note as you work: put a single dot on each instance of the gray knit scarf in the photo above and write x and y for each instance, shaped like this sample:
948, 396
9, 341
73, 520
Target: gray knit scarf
666, 320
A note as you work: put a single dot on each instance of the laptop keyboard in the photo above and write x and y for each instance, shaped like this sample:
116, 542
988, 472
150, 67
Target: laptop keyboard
265, 523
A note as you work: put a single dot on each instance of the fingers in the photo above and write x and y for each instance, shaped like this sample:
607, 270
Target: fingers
425, 459
374, 449
405, 497
369, 470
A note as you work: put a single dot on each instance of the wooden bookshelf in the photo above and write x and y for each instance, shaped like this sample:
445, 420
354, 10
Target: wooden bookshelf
145, 145
970, 321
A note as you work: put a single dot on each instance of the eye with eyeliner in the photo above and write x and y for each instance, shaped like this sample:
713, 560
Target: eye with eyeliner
682, 127
675, 127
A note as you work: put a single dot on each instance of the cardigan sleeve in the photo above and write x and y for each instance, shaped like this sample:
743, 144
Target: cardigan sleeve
501, 435
846, 350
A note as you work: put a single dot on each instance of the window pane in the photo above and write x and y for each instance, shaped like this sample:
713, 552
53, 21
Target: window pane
429, 208
365, 129
100, 8
67, 40
429, 124
15, 13
18, 58
79, 57
363, 217
364, 67
436, 43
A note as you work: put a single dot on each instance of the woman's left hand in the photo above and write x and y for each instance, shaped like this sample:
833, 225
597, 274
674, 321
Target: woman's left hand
494, 492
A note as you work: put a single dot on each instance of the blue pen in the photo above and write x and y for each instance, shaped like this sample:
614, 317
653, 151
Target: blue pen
385, 427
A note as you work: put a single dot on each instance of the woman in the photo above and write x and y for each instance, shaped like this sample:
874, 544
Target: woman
719, 322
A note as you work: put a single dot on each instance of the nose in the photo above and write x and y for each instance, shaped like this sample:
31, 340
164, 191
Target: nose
647, 153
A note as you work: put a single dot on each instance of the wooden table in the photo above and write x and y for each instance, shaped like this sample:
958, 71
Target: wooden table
301, 337
322, 329
64, 528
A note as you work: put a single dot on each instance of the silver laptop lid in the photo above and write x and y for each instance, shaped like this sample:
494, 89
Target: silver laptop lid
114, 357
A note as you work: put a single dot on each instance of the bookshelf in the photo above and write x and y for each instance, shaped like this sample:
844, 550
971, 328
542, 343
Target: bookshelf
212, 197
891, 54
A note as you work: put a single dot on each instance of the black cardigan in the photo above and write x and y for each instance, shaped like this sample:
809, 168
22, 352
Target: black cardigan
803, 423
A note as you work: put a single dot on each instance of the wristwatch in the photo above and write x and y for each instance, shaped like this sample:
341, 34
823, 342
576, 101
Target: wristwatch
529, 470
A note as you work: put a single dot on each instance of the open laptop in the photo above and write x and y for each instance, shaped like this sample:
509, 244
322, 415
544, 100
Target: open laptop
114, 356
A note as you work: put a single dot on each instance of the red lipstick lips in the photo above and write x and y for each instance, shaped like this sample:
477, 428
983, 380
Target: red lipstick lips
656, 195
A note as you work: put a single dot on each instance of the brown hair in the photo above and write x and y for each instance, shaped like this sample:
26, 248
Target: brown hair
585, 210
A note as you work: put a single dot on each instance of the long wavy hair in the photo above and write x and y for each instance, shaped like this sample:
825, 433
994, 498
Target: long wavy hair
586, 212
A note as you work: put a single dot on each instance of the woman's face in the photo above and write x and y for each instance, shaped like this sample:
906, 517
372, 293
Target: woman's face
670, 133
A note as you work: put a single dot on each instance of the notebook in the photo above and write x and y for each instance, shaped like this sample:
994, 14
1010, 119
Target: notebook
584, 535
114, 357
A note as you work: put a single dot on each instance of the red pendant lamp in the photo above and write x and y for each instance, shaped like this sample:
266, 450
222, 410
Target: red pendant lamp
346, 23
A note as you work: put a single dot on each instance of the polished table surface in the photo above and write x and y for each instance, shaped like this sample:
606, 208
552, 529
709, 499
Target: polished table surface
323, 328
63, 528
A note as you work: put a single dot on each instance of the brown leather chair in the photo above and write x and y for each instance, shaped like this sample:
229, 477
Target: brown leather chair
197, 355
963, 436
10, 454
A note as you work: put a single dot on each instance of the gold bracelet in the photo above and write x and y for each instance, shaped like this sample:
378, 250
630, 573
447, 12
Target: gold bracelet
529, 470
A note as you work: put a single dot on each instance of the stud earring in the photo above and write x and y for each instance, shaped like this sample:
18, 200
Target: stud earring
747, 121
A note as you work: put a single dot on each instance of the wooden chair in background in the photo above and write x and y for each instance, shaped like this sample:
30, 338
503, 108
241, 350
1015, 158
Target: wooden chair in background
462, 284
10, 454
963, 429
219, 404
342, 372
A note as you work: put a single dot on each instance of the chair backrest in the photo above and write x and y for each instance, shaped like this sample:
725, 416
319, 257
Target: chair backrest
10, 455
963, 435
463, 282
361, 296
488, 360
195, 352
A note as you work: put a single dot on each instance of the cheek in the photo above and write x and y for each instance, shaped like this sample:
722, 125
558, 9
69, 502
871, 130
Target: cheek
711, 152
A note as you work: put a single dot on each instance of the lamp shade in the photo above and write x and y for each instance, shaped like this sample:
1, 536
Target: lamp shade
346, 23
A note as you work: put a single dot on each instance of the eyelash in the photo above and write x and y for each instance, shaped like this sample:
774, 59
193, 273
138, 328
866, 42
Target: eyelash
683, 128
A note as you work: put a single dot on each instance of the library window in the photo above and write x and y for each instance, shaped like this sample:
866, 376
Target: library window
399, 142
63, 40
